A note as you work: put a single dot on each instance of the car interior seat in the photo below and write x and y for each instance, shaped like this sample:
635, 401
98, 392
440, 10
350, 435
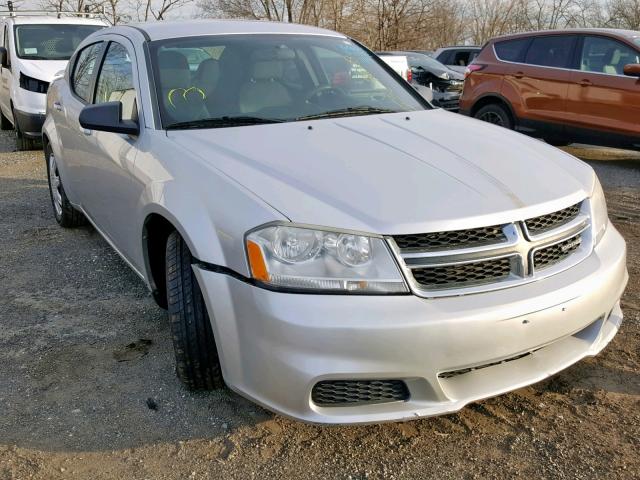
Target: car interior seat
207, 75
182, 101
264, 89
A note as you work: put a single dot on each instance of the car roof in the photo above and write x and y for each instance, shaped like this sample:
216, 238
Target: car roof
193, 28
606, 31
459, 47
44, 19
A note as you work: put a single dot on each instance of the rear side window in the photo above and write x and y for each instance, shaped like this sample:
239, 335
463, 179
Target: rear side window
605, 55
551, 51
512, 50
83, 70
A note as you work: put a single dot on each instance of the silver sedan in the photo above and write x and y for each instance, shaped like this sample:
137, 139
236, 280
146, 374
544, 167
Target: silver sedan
326, 242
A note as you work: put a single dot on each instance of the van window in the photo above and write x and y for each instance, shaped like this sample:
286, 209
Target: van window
50, 42
605, 55
83, 70
115, 81
551, 51
512, 50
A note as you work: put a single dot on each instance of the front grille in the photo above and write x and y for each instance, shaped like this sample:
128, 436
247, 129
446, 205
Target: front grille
458, 262
544, 223
335, 393
474, 237
549, 256
463, 275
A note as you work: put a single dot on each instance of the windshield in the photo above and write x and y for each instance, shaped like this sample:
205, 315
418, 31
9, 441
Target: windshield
50, 42
250, 79
426, 62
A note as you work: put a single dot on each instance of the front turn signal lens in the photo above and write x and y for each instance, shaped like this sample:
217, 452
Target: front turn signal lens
256, 262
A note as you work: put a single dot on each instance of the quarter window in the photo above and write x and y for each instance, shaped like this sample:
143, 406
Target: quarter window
551, 51
512, 50
604, 55
115, 81
83, 70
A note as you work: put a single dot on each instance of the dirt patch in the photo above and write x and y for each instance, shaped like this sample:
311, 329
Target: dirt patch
88, 391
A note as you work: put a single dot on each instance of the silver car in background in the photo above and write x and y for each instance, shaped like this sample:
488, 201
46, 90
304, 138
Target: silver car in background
326, 243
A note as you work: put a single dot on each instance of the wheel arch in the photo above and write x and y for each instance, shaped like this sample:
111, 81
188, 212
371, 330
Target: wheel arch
491, 98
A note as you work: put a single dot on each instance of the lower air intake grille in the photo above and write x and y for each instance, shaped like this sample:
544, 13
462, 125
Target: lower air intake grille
335, 393
463, 275
553, 220
452, 239
548, 256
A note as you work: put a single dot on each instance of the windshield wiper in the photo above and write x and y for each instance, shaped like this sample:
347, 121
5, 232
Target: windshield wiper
221, 122
347, 112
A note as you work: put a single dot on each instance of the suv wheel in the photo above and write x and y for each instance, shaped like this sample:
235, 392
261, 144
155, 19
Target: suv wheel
197, 364
496, 114
65, 214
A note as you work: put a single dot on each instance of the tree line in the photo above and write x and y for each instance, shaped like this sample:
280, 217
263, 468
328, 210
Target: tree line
387, 24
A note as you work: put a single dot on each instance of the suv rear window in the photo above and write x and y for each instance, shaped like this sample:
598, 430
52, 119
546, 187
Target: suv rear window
551, 51
512, 50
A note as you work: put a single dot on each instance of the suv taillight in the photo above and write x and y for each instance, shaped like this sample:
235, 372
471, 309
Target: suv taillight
474, 67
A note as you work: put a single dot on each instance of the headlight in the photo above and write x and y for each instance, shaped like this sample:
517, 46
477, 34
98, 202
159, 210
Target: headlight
302, 258
444, 76
33, 84
599, 215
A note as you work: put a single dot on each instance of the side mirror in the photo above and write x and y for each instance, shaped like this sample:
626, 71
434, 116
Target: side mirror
632, 70
4, 57
107, 117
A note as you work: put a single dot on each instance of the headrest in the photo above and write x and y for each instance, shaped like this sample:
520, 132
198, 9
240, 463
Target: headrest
174, 70
273, 53
267, 70
208, 72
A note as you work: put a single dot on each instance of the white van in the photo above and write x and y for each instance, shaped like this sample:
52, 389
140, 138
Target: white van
399, 63
33, 48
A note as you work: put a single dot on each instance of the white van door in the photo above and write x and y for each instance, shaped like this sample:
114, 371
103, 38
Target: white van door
5, 76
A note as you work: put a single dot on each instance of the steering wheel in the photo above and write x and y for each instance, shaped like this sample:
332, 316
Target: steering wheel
324, 90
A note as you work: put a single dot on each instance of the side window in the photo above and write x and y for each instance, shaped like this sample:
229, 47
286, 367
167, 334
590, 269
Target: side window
83, 70
115, 81
551, 51
605, 55
445, 57
512, 50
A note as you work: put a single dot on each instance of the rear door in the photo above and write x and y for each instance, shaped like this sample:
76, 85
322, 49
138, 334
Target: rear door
541, 80
75, 143
601, 96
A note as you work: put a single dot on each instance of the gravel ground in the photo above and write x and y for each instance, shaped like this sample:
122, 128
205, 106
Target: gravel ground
87, 388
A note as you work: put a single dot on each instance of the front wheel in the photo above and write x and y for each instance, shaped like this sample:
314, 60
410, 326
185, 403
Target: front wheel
197, 364
496, 114
24, 142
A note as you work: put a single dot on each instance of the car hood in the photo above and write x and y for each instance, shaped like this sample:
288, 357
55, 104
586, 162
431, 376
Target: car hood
44, 70
394, 173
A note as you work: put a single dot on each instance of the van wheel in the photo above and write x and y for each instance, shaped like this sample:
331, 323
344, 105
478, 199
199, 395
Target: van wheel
22, 141
66, 215
197, 363
5, 124
496, 114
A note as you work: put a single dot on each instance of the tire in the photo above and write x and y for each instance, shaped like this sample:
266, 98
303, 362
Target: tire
5, 124
557, 142
22, 141
496, 114
65, 214
197, 363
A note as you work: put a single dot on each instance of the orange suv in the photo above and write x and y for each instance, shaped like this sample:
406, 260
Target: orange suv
564, 86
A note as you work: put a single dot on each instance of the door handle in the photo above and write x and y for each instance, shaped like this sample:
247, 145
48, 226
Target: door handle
518, 74
57, 106
585, 83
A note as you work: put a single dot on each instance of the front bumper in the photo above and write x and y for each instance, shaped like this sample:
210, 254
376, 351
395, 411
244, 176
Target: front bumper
274, 347
30, 124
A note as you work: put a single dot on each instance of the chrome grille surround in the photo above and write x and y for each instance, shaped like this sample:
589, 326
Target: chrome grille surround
557, 248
